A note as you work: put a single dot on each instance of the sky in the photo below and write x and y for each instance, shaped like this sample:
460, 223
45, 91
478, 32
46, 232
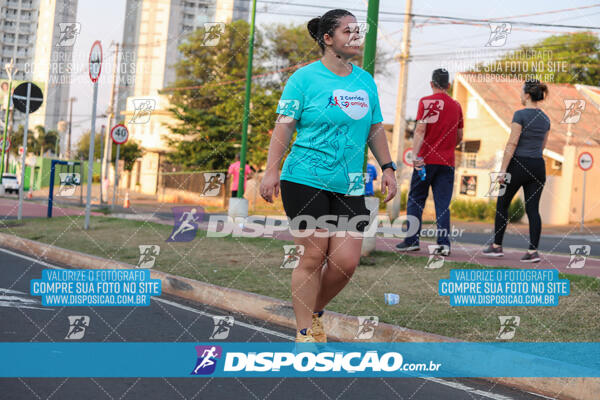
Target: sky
454, 46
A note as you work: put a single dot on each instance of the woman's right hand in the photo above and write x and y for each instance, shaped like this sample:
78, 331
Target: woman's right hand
269, 186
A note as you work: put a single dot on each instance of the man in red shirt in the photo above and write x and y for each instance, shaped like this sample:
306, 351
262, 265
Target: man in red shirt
438, 131
234, 173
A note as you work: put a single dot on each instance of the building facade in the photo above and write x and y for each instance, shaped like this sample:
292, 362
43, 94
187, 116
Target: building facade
152, 34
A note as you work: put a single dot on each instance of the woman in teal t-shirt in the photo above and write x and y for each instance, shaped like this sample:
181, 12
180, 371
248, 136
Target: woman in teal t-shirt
334, 106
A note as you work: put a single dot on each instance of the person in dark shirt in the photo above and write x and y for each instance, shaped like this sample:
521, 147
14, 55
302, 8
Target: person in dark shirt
523, 166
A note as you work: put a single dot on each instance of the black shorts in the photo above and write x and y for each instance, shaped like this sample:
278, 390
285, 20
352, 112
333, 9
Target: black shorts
301, 202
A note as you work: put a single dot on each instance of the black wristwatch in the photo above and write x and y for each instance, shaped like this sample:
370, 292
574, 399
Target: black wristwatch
391, 165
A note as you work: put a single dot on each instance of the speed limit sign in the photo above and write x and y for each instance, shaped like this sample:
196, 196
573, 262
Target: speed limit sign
7, 147
119, 134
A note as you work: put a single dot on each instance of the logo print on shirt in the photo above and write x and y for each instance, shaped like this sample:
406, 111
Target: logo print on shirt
354, 104
432, 110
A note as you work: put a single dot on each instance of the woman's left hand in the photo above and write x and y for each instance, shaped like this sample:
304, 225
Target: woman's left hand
388, 181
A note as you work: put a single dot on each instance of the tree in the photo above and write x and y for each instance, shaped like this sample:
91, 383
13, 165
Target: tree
209, 100
210, 116
16, 140
46, 140
83, 146
129, 153
566, 58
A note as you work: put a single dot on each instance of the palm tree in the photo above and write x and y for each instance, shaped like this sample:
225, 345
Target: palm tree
46, 140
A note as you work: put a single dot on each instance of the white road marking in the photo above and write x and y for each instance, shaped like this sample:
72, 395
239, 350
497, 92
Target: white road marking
16, 299
468, 389
454, 385
245, 325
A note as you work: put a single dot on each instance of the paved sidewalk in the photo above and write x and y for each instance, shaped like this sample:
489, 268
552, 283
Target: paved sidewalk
9, 209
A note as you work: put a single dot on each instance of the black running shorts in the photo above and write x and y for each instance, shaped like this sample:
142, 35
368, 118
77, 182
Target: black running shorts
307, 208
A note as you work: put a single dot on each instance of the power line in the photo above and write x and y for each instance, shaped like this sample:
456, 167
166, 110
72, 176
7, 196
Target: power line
522, 23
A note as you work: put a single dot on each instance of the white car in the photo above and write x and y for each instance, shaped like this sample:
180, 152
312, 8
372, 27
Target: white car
10, 183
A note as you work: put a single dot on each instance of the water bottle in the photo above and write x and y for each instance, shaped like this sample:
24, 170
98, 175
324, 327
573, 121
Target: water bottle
422, 173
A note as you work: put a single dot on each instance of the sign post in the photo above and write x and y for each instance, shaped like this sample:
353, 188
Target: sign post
95, 62
119, 135
585, 162
27, 98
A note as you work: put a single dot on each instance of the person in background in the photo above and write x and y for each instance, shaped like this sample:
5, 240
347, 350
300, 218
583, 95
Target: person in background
439, 130
524, 163
234, 174
372, 176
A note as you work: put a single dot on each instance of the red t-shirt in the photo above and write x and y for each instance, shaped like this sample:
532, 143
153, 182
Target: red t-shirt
443, 117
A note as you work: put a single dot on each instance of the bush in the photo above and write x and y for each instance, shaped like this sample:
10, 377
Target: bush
482, 210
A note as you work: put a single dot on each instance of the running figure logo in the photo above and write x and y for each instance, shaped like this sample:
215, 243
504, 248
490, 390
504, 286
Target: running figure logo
431, 111
207, 359
357, 183
436, 260
366, 327
498, 34
287, 111
508, 327
579, 253
185, 225
212, 33
142, 110
148, 254
77, 326
222, 326
358, 31
573, 110
291, 255
498, 188
68, 183
212, 183
68, 33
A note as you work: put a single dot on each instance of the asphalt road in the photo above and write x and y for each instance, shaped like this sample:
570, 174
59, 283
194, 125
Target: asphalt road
170, 319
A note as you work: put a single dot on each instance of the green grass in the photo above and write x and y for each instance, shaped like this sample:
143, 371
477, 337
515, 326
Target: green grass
253, 264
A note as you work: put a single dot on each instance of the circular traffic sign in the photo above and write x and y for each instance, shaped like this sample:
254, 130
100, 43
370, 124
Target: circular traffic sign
19, 96
21, 150
585, 161
119, 134
7, 144
95, 61
407, 157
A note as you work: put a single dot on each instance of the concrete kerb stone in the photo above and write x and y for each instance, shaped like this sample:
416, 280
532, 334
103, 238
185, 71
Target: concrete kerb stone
340, 327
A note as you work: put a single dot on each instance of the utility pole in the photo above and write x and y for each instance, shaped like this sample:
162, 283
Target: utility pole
400, 116
107, 142
71, 100
10, 70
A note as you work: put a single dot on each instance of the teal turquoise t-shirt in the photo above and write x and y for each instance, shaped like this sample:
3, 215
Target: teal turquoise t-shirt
334, 115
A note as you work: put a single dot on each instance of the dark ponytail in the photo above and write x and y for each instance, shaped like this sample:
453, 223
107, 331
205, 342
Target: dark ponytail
319, 26
537, 90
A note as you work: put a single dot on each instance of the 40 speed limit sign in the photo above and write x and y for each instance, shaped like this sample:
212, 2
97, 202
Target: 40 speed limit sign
119, 134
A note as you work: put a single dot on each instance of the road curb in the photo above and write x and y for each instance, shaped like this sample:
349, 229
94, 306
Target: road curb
339, 326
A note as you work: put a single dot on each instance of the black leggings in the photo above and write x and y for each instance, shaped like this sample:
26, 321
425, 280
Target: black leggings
531, 174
